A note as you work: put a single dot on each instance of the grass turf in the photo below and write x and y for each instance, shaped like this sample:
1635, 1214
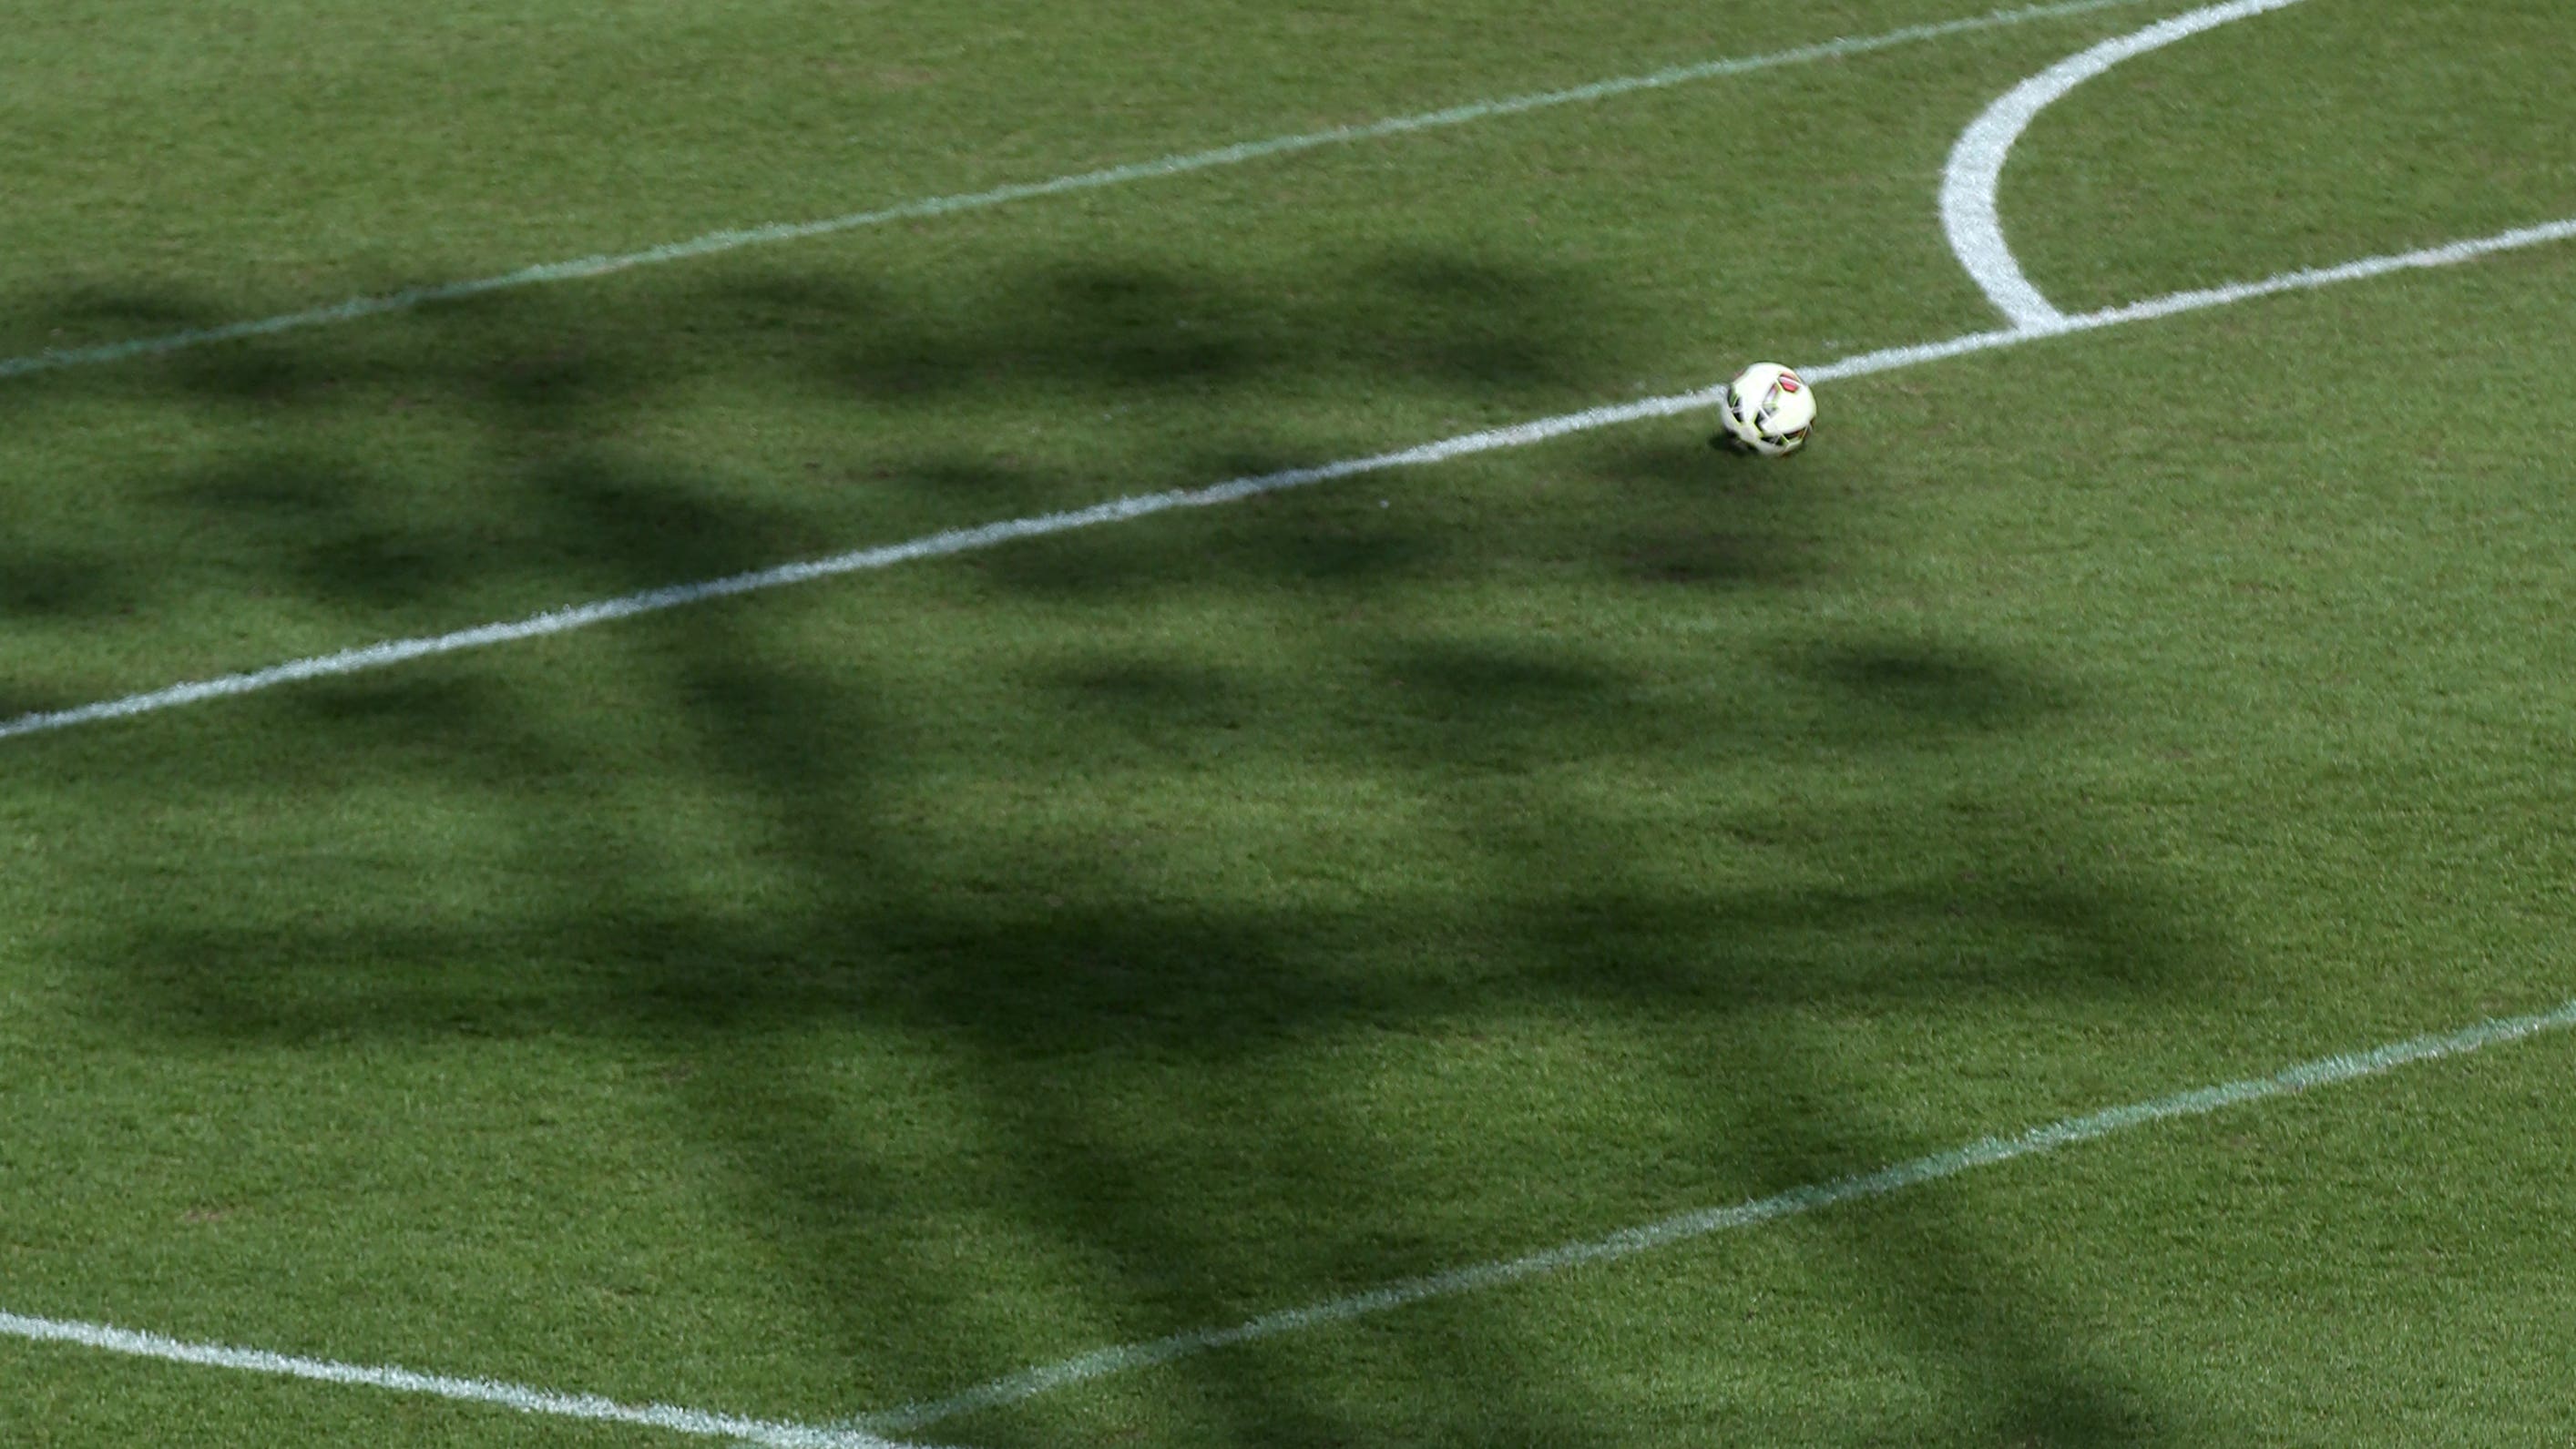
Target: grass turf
802, 1004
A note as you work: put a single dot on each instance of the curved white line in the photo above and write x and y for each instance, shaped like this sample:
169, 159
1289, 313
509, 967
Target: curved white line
713, 243
1977, 161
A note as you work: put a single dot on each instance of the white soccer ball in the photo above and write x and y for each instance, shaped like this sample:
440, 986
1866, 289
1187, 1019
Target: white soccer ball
1769, 409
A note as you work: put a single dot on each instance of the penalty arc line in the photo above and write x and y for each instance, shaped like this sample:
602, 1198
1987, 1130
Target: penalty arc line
925, 208
1976, 165
1684, 1227
956, 541
590, 1407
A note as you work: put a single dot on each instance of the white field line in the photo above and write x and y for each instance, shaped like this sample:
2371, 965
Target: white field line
475, 1391
715, 242
865, 1432
1976, 164
566, 620
1683, 1227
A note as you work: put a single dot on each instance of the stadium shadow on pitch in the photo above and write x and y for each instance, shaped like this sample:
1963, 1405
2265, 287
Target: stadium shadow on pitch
1019, 990
1091, 942
60, 585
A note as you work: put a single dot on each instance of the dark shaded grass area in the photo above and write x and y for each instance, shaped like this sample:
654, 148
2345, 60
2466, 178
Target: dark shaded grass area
1044, 951
544, 446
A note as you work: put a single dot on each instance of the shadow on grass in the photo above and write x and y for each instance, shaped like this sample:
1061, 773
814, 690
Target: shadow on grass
1343, 810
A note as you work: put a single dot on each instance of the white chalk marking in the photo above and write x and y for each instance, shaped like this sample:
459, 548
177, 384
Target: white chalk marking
564, 621
475, 1391
866, 1431
1977, 162
1683, 1227
712, 243
2446, 255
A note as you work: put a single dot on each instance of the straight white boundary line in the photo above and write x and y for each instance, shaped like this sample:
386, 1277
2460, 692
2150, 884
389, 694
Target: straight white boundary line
712, 243
1976, 165
864, 1432
566, 620
475, 1391
1683, 1227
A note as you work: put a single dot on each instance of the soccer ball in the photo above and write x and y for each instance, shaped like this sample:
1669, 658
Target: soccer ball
1768, 410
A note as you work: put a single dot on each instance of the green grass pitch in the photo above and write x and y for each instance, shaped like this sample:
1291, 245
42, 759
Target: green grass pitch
810, 1003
